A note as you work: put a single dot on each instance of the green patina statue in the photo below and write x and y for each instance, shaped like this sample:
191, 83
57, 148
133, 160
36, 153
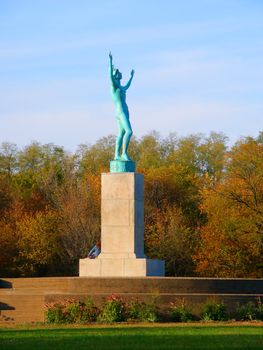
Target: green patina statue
118, 93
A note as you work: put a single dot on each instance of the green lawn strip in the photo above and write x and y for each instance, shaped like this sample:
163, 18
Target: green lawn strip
140, 337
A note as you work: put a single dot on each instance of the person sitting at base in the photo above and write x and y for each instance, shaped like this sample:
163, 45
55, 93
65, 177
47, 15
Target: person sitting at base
95, 251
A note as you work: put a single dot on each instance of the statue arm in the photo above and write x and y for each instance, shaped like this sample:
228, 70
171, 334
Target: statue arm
130, 80
111, 70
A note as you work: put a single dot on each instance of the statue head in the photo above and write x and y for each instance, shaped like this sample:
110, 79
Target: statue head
117, 74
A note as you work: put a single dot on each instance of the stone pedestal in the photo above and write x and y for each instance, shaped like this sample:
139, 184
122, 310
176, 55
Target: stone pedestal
122, 230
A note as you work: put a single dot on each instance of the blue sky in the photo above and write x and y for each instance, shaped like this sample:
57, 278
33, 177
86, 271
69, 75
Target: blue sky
198, 68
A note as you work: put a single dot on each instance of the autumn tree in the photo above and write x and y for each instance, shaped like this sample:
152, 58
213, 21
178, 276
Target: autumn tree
232, 240
171, 211
8, 248
169, 238
78, 216
94, 158
37, 243
203, 204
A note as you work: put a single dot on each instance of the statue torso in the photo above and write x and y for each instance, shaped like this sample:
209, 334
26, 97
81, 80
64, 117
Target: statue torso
119, 98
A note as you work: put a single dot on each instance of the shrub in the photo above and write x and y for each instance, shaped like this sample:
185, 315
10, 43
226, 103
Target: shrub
55, 313
259, 310
214, 310
246, 312
141, 311
82, 312
180, 312
250, 311
72, 311
90, 311
113, 310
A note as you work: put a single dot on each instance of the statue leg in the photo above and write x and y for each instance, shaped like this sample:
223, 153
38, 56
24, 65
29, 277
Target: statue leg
126, 138
119, 141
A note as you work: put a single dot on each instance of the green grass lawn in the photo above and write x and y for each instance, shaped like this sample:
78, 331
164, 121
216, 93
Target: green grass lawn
133, 337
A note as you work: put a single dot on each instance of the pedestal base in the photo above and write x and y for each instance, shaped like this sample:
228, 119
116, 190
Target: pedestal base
120, 267
122, 166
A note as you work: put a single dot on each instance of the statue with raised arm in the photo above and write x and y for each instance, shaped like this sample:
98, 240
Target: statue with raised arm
118, 93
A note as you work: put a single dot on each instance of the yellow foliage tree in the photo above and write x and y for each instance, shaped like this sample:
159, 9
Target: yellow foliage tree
37, 242
232, 240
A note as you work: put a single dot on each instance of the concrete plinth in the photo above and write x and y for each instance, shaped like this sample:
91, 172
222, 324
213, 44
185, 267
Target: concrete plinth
121, 267
122, 230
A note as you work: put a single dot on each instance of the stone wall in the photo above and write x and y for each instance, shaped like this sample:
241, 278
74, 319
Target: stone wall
22, 300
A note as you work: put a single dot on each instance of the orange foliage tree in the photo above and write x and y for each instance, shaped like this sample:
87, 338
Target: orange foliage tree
171, 199
203, 207
232, 240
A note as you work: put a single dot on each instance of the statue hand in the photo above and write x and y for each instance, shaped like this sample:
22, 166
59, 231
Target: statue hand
132, 73
110, 56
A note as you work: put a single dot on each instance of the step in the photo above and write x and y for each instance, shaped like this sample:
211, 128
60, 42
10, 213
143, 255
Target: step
126, 285
37, 283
